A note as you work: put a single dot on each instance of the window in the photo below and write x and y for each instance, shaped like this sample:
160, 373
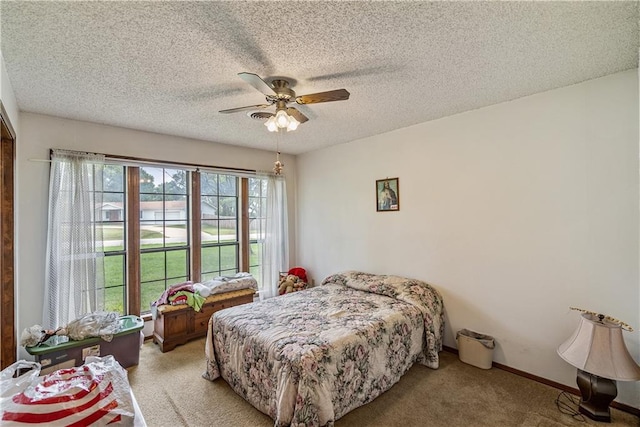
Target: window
257, 208
219, 225
164, 231
188, 227
110, 223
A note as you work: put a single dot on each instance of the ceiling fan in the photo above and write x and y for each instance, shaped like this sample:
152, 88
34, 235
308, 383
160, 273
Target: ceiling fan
279, 93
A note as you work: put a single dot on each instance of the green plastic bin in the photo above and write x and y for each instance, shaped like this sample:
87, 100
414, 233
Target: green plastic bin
60, 352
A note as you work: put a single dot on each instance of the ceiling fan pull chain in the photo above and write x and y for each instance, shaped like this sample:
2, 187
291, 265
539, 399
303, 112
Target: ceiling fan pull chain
278, 166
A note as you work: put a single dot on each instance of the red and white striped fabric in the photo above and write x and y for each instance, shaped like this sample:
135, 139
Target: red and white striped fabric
96, 394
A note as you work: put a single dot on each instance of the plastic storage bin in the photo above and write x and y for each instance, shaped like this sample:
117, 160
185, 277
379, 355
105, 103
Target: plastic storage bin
475, 349
56, 353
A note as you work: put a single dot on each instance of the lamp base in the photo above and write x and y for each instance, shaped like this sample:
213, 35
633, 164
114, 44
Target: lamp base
597, 394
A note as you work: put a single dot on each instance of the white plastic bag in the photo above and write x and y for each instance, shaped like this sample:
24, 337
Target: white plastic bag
96, 394
10, 385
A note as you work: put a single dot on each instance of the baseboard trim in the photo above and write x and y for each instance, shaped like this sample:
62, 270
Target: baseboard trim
554, 384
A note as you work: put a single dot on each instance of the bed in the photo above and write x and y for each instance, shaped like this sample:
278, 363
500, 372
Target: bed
309, 357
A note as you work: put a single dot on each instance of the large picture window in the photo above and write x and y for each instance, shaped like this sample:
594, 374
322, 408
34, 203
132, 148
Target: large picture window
170, 214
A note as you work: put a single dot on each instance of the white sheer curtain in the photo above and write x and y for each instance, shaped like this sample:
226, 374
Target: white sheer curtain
275, 246
75, 262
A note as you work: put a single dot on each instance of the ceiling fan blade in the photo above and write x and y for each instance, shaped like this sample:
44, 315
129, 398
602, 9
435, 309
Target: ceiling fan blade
255, 81
332, 95
248, 107
297, 115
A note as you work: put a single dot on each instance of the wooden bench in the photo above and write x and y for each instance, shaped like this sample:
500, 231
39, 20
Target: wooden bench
177, 324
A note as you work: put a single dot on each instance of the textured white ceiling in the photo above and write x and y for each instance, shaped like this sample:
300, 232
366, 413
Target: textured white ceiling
169, 67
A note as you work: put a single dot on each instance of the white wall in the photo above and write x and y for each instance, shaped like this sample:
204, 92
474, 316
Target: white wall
514, 212
40, 133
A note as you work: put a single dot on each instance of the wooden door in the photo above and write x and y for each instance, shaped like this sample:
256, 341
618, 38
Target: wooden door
8, 342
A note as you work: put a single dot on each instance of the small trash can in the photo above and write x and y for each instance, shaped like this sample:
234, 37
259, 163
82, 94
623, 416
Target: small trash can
475, 349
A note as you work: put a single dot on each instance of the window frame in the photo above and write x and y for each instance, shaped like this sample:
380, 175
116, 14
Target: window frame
167, 250
132, 223
99, 187
260, 217
237, 243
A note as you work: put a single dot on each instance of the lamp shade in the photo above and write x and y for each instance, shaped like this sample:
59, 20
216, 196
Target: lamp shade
597, 347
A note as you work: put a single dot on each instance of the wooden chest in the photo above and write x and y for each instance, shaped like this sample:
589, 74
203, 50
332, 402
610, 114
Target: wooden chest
176, 324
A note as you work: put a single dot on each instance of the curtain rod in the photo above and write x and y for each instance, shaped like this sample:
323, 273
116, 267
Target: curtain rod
137, 161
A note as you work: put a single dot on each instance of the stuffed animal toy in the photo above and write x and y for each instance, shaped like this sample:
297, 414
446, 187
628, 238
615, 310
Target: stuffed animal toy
290, 283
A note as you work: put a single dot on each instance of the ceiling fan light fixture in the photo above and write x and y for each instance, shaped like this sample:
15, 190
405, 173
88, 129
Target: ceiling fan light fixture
271, 124
280, 94
293, 124
281, 121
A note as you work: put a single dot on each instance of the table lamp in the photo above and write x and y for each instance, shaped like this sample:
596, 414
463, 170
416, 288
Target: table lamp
597, 349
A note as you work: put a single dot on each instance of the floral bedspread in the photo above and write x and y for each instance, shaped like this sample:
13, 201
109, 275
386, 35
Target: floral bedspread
309, 357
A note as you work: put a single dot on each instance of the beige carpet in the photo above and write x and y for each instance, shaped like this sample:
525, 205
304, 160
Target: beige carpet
171, 392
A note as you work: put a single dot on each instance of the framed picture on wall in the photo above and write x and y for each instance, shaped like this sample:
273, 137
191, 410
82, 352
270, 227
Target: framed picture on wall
387, 195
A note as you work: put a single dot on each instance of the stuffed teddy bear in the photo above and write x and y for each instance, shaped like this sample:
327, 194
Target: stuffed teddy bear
290, 283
